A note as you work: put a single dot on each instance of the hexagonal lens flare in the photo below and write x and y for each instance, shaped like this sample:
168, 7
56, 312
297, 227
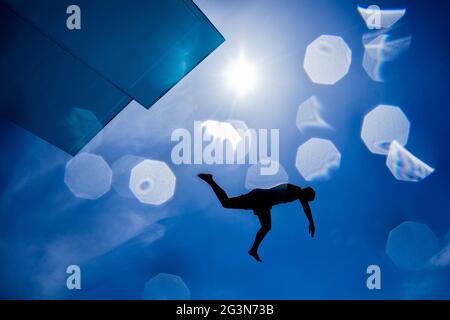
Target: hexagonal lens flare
317, 159
166, 286
411, 244
377, 18
404, 166
383, 125
88, 176
152, 182
379, 49
308, 115
327, 59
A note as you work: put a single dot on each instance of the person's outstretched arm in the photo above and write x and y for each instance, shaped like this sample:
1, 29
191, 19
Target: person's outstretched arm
308, 214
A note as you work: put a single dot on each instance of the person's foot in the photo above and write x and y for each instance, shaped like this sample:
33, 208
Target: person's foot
255, 255
205, 176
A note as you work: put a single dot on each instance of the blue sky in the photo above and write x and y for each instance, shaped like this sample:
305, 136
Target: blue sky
120, 243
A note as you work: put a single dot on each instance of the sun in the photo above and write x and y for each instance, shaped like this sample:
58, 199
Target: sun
241, 76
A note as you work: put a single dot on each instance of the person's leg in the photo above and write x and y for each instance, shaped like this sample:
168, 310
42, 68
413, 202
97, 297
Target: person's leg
239, 202
220, 193
266, 225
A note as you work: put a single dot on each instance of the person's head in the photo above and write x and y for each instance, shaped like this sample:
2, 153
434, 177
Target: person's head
308, 194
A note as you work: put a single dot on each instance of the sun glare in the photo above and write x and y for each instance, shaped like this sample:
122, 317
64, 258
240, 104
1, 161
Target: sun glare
241, 76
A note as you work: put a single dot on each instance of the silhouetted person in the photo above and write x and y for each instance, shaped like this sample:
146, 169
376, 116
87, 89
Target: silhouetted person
261, 202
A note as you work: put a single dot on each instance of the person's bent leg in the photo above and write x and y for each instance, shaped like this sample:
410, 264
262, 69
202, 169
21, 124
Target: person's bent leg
245, 201
266, 225
219, 192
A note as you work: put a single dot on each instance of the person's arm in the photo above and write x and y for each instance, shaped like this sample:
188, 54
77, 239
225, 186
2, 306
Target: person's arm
308, 214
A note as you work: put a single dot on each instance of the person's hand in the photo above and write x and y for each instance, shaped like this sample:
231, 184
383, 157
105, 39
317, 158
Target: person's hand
311, 230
